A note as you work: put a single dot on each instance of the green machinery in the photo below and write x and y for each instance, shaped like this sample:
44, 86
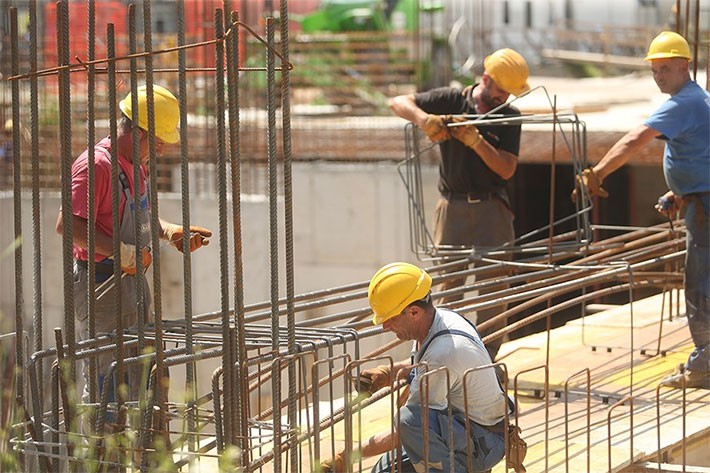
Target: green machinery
367, 15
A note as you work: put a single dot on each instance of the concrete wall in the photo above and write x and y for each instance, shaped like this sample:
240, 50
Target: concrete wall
348, 221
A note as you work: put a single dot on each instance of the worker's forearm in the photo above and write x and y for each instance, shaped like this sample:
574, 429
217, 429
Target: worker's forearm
164, 224
103, 244
623, 149
379, 444
401, 369
405, 107
500, 162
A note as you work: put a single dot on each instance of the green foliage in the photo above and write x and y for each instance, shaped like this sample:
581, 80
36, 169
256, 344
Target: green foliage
583, 70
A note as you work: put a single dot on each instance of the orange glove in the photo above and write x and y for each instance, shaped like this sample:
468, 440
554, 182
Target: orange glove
198, 236
334, 465
436, 129
466, 134
591, 181
374, 379
128, 258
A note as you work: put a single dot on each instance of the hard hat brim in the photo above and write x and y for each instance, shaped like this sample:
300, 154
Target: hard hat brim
651, 57
171, 138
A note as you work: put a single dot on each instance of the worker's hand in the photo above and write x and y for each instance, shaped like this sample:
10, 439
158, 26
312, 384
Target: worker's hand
668, 204
591, 181
436, 129
334, 465
374, 379
466, 134
198, 236
128, 258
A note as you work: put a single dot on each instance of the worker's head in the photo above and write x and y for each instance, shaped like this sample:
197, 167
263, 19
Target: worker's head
166, 112
506, 73
669, 55
393, 291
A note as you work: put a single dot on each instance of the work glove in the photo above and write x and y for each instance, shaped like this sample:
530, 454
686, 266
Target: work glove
128, 258
374, 379
466, 134
198, 236
591, 181
436, 129
334, 465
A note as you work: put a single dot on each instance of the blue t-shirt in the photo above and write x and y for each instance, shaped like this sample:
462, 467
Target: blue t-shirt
684, 121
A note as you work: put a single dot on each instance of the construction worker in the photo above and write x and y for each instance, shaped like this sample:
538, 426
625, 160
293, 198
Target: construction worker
476, 161
167, 114
400, 297
683, 123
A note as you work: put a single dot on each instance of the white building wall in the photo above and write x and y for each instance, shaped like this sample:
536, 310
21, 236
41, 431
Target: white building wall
348, 221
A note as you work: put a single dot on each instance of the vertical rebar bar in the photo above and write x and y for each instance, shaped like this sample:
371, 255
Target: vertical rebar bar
37, 311
115, 201
17, 216
190, 368
136, 159
157, 395
273, 235
288, 221
65, 138
233, 91
91, 197
227, 359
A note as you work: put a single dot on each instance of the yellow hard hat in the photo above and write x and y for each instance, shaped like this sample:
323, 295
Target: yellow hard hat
668, 44
166, 110
394, 287
509, 70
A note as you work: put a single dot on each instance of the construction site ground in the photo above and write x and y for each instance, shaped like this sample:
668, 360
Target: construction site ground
618, 349
606, 344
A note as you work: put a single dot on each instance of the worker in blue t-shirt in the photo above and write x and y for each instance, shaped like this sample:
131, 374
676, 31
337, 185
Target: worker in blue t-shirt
683, 122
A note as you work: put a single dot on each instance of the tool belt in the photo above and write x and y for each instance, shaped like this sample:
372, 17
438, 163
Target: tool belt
516, 447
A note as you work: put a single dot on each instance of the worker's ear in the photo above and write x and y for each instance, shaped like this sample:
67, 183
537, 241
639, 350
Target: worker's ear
414, 310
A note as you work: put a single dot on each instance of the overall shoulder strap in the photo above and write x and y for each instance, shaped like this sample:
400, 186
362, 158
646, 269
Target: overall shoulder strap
121, 175
511, 403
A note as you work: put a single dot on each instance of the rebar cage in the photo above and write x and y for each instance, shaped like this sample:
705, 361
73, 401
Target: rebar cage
566, 126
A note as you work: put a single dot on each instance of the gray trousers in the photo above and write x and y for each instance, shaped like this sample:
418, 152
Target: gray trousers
697, 281
483, 225
106, 321
487, 448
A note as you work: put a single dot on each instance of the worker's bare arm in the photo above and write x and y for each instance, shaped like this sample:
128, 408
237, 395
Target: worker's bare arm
379, 444
499, 161
103, 243
405, 107
623, 149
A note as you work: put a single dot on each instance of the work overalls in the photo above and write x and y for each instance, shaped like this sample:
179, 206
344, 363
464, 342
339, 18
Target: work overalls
105, 316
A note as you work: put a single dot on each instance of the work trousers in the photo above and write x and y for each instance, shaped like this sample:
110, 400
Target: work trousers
487, 447
106, 321
482, 225
697, 280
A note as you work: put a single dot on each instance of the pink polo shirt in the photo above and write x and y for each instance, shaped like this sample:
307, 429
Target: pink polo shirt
103, 192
